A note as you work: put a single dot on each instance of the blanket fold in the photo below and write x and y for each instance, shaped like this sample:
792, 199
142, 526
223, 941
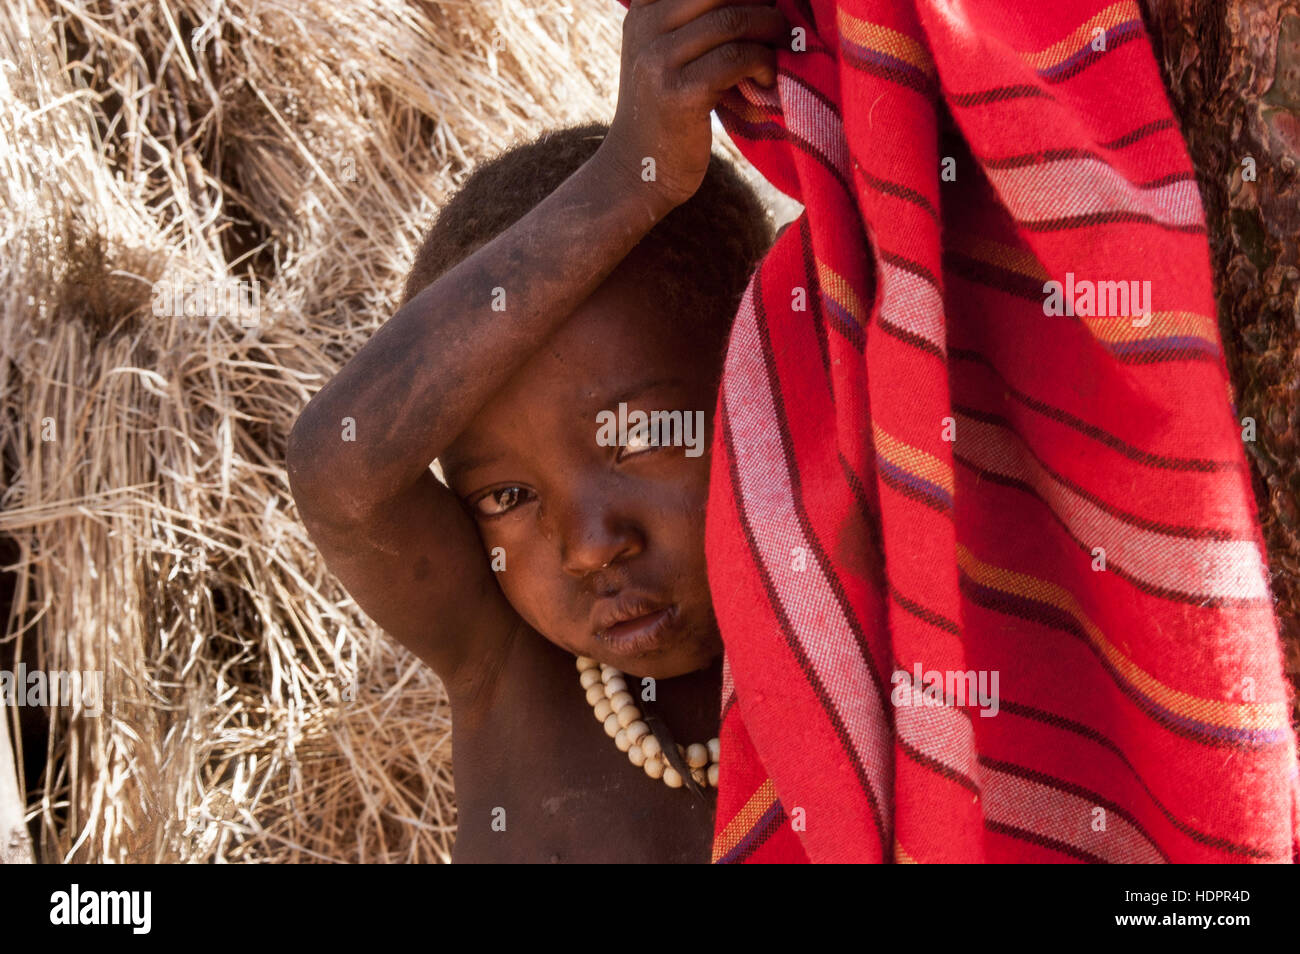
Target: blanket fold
980, 534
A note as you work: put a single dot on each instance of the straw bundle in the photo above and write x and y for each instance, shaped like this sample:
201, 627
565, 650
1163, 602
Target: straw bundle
254, 713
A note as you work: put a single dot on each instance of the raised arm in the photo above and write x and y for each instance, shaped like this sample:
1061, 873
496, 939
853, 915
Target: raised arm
397, 539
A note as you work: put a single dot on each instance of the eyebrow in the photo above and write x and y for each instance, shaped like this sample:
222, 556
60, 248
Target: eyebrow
472, 462
638, 389
475, 461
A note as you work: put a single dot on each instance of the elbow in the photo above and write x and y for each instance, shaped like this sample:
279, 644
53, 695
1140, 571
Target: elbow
303, 464
322, 483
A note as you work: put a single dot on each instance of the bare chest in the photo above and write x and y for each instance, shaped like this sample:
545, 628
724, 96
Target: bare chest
539, 781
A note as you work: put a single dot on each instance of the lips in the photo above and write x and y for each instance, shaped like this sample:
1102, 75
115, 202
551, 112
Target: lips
631, 624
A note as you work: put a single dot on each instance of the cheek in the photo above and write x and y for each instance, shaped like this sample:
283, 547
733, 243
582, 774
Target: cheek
680, 507
526, 570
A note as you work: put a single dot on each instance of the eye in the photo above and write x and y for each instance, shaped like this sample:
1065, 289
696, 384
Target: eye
638, 442
502, 500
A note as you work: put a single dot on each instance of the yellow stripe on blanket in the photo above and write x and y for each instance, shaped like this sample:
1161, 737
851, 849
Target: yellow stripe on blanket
912, 459
882, 39
1163, 324
901, 857
1085, 33
1007, 257
837, 288
743, 822
748, 111
1111, 330
1244, 715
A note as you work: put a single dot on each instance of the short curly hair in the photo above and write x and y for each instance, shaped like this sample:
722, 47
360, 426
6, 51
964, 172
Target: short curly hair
703, 251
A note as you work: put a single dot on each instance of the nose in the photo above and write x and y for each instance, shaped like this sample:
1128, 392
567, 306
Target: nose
593, 533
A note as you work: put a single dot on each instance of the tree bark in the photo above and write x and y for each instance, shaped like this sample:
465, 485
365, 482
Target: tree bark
1232, 70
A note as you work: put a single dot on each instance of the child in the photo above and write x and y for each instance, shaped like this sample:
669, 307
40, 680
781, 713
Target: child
585, 276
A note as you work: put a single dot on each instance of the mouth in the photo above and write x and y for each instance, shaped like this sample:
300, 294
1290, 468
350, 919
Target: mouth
635, 626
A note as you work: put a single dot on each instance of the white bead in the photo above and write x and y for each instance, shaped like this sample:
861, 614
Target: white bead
614, 707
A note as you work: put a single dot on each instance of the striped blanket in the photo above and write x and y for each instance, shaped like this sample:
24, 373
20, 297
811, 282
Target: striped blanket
980, 535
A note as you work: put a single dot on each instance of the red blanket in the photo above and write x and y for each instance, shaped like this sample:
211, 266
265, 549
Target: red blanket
983, 547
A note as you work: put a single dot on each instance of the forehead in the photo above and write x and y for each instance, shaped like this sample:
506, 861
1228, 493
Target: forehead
623, 336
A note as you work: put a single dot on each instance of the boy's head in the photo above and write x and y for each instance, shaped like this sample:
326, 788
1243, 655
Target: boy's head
602, 532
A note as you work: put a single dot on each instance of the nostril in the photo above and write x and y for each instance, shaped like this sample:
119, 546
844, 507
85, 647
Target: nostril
594, 536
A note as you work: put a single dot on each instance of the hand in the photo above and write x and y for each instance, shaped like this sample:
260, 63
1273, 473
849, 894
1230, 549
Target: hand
679, 57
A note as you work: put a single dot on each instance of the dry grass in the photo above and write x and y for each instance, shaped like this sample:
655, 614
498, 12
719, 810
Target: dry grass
255, 713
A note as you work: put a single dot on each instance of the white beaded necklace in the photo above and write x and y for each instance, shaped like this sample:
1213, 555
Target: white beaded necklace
608, 696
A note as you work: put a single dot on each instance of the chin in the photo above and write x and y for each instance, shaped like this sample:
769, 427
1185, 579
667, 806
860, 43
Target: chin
700, 654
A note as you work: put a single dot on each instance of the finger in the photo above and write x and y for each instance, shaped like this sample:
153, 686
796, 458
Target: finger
723, 67
672, 14
725, 25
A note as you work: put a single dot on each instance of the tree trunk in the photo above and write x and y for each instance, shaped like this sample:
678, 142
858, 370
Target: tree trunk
1232, 69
